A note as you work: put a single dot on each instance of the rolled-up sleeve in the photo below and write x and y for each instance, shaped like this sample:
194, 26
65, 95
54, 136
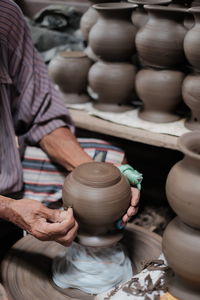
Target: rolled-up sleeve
37, 106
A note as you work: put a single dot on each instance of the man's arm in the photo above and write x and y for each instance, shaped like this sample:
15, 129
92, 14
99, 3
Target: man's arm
62, 147
40, 221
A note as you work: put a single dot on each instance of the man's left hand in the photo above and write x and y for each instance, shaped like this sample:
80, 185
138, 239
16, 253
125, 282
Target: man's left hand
133, 208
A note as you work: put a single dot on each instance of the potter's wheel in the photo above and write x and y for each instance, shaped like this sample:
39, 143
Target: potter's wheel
26, 271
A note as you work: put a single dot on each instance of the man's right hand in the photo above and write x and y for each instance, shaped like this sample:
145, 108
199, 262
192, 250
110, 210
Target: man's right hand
43, 223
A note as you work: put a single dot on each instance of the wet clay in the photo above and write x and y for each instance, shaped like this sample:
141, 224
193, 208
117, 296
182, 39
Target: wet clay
99, 195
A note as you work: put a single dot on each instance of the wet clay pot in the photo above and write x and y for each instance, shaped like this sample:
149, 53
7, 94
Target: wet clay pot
192, 40
191, 96
181, 245
182, 186
160, 41
89, 18
140, 16
112, 38
160, 91
111, 85
99, 195
69, 71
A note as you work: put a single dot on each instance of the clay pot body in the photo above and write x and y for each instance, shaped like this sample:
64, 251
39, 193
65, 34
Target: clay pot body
89, 18
140, 16
192, 41
160, 91
99, 195
112, 38
112, 85
181, 245
191, 96
69, 70
160, 41
182, 186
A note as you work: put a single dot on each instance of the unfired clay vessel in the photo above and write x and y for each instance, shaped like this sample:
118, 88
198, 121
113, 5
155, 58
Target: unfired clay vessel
111, 85
191, 96
89, 18
192, 40
140, 16
160, 91
99, 195
181, 245
69, 70
182, 186
160, 41
112, 38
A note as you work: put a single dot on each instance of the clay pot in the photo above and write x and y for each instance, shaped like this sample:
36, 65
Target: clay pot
99, 195
160, 41
192, 40
69, 70
160, 91
191, 96
140, 16
89, 18
181, 245
112, 38
182, 186
111, 85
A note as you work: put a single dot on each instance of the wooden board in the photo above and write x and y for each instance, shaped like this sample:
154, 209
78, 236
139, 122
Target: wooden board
85, 121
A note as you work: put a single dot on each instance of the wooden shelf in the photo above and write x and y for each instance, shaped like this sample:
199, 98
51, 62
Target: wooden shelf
85, 121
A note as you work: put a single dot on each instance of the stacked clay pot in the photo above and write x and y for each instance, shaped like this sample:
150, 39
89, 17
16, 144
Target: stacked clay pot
159, 44
89, 18
191, 90
181, 240
99, 195
140, 16
69, 71
112, 40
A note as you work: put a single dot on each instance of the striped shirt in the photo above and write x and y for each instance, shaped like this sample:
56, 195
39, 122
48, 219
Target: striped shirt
30, 107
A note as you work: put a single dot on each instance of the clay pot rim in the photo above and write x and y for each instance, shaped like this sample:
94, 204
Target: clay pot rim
165, 8
149, 2
187, 140
114, 6
72, 54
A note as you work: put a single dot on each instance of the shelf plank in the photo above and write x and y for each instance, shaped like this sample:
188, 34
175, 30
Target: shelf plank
85, 121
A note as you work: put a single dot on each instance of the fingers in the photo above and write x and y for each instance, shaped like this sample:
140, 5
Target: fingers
63, 231
131, 212
135, 196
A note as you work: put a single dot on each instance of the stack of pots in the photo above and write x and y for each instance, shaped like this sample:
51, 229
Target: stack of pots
90, 17
181, 239
159, 44
191, 84
112, 40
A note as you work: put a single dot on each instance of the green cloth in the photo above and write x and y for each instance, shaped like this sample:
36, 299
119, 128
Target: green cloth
133, 176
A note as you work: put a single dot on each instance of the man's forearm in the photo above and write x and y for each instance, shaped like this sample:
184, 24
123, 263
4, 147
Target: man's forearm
62, 147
